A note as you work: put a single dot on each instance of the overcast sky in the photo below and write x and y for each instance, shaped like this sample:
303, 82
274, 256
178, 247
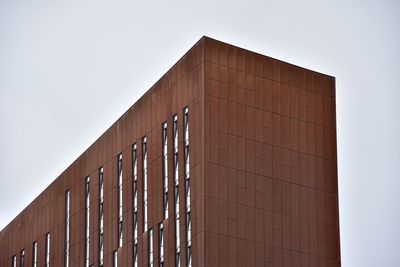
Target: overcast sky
69, 69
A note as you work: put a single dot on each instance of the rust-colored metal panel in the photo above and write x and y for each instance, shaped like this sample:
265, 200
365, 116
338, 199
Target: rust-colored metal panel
277, 142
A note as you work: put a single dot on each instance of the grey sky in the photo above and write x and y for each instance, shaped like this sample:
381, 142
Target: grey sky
69, 69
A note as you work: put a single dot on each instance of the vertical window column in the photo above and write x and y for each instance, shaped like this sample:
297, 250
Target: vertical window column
176, 187
47, 256
14, 261
67, 228
87, 222
165, 169
165, 192
161, 244
187, 189
34, 254
120, 200
101, 217
151, 248
145, 219
22, 258
135, 206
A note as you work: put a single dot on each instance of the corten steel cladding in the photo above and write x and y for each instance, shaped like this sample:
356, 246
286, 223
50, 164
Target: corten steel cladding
263, 173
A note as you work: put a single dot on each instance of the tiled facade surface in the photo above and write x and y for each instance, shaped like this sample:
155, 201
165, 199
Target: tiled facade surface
263, 170
269, 162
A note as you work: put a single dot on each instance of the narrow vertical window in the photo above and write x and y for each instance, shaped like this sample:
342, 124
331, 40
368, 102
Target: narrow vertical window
22, 258
161, 244
176, 189
151, 248
120, 200
14, 261
165, 169
135, 205
67, 229
187, 188
87, 221
101, 217
144, 145
115, 258
34, 254
47, 256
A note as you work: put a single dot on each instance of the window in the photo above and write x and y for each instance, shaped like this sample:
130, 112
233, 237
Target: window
120, 200
151, 248
165, 169
135, 205
34, 254
115, 258
67, 229
47, 256
144, 145
14, 261
22, 258
87, 222
176, 179
187, 188
161, 244
101, 217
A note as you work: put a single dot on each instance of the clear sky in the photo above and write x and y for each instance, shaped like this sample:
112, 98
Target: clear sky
69, 69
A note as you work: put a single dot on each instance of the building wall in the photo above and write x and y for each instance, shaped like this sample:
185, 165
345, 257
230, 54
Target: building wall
181, 86
262, 166
270, 162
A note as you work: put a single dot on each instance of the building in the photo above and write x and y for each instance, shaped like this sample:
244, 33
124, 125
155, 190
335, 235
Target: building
228, 160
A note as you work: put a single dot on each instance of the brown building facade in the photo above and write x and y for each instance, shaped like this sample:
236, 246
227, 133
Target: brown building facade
228, 160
